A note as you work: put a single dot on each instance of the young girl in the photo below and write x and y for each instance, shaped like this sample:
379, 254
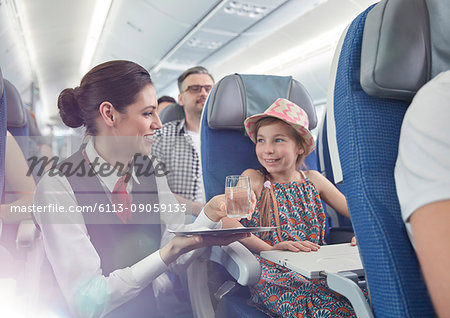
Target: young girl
291, 200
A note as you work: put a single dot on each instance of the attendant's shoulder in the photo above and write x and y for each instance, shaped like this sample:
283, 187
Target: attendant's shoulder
53, 181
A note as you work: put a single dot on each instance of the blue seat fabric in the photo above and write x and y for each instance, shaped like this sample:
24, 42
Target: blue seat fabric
367, 133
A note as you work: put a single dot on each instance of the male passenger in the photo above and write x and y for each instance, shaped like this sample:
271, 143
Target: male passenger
422, 176
177, 143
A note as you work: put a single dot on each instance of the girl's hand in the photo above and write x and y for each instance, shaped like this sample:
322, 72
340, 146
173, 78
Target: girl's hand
183, 244
252, 205
353, 242
296, 246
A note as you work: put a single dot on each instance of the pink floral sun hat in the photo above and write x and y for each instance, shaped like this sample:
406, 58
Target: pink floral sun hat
288, 112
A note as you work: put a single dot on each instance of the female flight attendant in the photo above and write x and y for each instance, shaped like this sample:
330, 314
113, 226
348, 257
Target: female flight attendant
114, 205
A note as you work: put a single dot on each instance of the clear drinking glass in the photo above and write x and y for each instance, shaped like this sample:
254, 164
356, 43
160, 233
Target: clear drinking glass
237, 196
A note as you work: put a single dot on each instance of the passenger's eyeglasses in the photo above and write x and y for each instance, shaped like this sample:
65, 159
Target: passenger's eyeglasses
198, 88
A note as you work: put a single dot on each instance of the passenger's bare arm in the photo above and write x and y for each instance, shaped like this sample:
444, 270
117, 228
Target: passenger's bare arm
430, 225
329, 193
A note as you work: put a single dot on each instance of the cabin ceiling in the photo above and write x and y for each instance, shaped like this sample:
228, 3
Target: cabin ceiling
164, 36
174, 35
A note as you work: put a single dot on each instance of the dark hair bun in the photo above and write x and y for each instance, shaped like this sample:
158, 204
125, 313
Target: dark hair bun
69, 110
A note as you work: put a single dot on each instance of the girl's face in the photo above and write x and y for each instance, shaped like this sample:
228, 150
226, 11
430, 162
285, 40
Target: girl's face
277, 149
137, 126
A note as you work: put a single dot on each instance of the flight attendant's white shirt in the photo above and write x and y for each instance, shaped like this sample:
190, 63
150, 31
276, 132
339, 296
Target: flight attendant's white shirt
72, 256
422, 171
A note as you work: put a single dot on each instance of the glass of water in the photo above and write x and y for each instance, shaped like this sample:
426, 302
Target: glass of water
237, 196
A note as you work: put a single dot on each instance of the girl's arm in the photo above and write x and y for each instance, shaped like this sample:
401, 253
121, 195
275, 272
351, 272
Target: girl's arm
253, 243
328, 192
256, 245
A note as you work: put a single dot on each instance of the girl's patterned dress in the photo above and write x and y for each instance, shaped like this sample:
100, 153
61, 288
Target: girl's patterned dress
282, 291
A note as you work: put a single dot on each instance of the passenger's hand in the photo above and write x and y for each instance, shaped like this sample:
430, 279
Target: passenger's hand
296, 246
353, 241
252, 205
183, 244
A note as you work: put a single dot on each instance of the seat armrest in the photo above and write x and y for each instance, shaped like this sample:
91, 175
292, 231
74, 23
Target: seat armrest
26, 235
235, 258
346, 284
238, 261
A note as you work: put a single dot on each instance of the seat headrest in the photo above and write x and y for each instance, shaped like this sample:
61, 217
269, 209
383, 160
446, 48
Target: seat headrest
16, 116
172, 112
1, 84
405, 44
236, 97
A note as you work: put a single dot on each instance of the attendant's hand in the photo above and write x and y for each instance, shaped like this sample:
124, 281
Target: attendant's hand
183, 244
353, 242
215, 208
296, 246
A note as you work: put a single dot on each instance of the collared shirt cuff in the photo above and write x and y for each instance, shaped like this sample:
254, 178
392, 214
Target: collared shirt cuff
148, 269
203, 221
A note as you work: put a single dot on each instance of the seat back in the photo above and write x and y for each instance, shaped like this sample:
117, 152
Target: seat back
171, 113
339, 228
17, 118
7, 269
22, 126
225, 149
2, 132
386, 49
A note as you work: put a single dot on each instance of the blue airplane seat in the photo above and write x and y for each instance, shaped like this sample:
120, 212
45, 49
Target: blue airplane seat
2, 132
35, 141
16, 116
339, 228
6, 258
226, 150
2, 139
225, 147
311, 161
385, 59
18, 238
21, 125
